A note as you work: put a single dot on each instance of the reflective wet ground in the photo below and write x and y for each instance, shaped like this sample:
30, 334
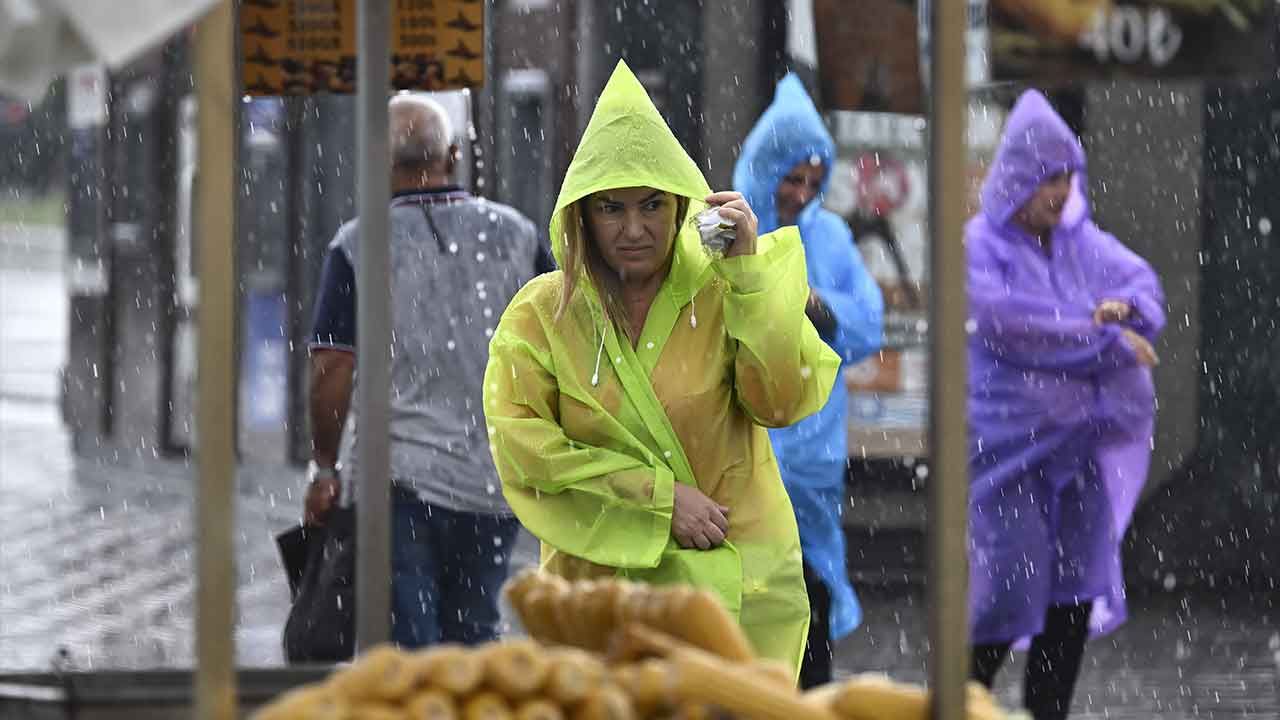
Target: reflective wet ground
1183, 654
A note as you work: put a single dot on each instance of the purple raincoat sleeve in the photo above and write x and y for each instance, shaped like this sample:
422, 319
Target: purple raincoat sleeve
1138, 285
1031, 330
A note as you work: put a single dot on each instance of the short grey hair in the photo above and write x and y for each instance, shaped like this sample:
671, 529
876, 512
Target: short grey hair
421, 132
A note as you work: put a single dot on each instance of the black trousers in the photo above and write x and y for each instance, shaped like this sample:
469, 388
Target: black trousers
1053, 664
815, 668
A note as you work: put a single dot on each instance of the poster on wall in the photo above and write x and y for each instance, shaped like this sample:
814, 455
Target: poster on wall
1054, 40
879, 185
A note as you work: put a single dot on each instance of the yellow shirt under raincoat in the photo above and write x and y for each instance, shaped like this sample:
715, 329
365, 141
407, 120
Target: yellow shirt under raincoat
726, 350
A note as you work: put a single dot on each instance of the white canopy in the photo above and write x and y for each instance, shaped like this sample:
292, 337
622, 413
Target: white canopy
41, 39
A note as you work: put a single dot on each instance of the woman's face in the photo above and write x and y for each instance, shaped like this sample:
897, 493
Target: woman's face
634, 229
1043, 211
798, 187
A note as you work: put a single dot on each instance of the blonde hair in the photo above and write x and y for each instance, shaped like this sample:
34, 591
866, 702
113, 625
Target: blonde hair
582, 258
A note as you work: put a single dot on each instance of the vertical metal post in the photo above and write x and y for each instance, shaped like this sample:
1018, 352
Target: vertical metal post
215, 500
373, 311
297, 276
949, 487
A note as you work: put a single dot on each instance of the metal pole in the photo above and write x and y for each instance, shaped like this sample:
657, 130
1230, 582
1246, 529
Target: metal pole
949, 489
373, 310
215, 212
297, 285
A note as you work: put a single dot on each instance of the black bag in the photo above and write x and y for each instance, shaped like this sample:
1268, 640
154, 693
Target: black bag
321, 623
293, 544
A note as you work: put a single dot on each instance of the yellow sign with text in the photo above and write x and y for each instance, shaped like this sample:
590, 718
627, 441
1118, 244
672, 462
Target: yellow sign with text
308, 47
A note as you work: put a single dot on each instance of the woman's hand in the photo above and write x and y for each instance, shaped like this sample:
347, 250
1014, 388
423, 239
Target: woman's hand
1112, 311
697, 521
1141, 348
734, 208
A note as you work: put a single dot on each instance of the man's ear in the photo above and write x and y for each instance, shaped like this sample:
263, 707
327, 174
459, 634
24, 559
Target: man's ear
455, 154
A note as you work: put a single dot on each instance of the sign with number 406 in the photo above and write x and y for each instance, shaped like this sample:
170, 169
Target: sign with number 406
1059, 40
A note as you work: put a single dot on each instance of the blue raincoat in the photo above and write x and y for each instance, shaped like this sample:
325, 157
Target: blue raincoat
813, 453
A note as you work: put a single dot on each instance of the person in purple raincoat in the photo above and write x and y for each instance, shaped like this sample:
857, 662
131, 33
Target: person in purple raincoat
1061, 408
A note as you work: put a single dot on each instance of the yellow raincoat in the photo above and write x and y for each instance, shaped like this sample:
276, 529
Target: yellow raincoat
589, 468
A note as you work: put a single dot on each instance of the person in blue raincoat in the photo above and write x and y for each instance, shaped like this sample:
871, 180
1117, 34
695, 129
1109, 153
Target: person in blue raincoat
784, 169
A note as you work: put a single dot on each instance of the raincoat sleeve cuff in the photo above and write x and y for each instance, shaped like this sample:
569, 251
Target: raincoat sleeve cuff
1116, 352
664, 491
750, 274
651, 546
1145, 317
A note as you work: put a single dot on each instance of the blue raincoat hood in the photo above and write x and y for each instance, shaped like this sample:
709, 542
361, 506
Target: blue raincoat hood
1037, 144
789, 132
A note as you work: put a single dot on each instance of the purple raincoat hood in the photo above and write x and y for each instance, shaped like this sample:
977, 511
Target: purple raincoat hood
1037, 144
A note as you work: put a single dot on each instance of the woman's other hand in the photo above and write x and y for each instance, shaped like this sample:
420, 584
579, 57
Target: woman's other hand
1112, 311
1141, 348
697, 521
734, 208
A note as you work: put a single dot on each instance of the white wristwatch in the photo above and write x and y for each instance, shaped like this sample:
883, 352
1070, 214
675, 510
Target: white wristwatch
319, 472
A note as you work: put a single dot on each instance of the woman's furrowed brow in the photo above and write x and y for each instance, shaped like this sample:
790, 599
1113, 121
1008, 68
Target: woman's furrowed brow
609, 200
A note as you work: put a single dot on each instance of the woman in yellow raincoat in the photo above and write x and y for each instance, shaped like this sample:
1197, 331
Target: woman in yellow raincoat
627, 394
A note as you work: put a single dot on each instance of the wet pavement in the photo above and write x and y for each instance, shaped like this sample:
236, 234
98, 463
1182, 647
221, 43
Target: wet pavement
97, 560
33, 310
1183, 654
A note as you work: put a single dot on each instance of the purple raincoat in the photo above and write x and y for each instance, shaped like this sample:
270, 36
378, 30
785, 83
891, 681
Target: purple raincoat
1061, 414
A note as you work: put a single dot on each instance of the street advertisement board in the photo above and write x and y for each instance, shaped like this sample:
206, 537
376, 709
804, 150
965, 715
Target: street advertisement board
304, 47
879, 184
1050, 41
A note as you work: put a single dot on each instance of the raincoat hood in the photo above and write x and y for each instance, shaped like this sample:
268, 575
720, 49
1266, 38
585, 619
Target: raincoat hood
628, 144
1037, 144
789, 132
